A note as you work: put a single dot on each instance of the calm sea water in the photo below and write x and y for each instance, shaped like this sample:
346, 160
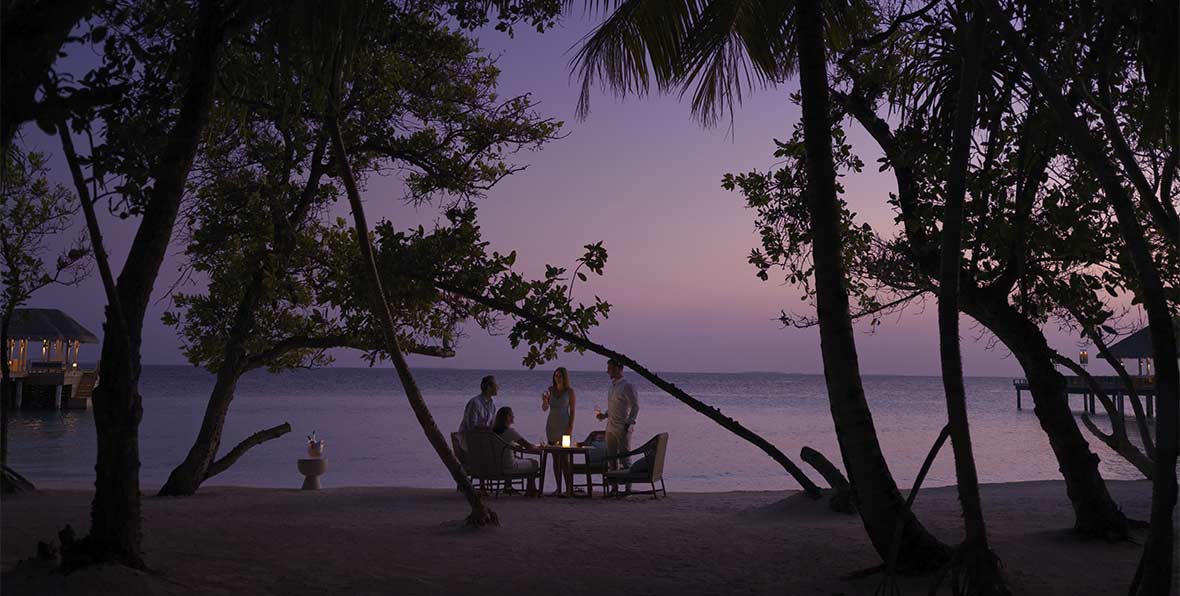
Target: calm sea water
373, 439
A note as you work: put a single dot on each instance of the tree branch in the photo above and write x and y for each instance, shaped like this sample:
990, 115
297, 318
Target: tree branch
1132, 395
122, 332
291, 344
1117, 439
859, 45
240, 449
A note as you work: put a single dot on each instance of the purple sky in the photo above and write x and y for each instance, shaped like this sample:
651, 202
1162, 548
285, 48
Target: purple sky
644, 177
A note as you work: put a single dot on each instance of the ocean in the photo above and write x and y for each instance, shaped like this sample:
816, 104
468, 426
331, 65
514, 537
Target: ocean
373, 439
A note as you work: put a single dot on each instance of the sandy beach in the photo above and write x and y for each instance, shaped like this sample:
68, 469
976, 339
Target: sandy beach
230, 540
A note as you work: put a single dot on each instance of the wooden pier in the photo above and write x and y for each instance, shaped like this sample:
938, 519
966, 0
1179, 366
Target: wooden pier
1111, 385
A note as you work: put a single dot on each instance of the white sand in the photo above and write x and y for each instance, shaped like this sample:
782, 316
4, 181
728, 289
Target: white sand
410, 541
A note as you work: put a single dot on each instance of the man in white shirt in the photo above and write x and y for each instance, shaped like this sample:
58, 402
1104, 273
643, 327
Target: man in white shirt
622, 405
481, 411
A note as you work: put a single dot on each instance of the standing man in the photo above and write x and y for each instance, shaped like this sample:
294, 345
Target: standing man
480, 411
622, 405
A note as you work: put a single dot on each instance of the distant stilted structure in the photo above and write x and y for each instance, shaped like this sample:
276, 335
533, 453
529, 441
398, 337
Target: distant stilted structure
43, 349
1136, 346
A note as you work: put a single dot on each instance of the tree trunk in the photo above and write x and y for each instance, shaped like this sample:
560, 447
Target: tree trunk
481, 514
187, 477
975, 569
10, 482
115, 531
841, 500
6, 388
710, 412
115, 520
1154, 575
879, 501
1095, 512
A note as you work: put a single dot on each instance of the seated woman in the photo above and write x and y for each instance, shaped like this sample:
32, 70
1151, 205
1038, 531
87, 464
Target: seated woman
513, 462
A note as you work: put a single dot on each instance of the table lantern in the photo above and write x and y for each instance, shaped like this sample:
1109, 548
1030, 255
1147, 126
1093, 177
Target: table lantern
565, 440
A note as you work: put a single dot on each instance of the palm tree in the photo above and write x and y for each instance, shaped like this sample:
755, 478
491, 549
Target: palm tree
975, 568
684, 43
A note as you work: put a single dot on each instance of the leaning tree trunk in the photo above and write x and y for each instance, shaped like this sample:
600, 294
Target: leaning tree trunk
187, 477
878, 499
1154, 575
1095, 512
481, 514
975, 570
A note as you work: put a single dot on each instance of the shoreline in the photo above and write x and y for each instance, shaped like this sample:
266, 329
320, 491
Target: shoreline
151, 490
228, 540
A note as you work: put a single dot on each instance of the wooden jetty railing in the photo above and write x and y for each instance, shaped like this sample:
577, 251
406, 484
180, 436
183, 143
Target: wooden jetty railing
1112, 385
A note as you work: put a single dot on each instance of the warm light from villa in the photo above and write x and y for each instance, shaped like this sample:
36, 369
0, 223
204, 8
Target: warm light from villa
565, 440
1084, 357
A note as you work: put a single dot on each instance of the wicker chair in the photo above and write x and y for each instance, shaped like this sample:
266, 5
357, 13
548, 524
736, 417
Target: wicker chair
647, 470
486, 452
591, 466
460, 450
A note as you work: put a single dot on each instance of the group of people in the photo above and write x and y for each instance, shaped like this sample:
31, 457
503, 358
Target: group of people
560, 401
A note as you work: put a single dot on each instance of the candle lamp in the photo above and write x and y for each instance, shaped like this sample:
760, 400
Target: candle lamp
565, 440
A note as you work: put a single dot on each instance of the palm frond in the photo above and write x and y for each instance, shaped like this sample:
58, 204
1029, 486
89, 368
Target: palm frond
736, 45
639, 43
714, 49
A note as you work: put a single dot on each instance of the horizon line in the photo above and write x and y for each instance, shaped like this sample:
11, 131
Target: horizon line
593, 371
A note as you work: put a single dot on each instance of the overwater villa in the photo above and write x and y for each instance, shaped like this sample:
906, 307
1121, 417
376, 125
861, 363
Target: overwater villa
43, 349
1137, 347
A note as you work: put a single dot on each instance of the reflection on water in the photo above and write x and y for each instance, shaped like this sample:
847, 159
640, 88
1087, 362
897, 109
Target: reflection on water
373, 438
50, 423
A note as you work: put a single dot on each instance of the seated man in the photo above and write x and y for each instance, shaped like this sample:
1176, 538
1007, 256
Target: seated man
478, 414
480, 411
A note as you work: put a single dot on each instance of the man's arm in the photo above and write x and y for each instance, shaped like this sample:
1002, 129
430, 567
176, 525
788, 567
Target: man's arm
469, 422
633, 399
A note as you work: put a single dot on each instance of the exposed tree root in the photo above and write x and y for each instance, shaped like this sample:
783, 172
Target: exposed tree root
974, 570
483, 516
